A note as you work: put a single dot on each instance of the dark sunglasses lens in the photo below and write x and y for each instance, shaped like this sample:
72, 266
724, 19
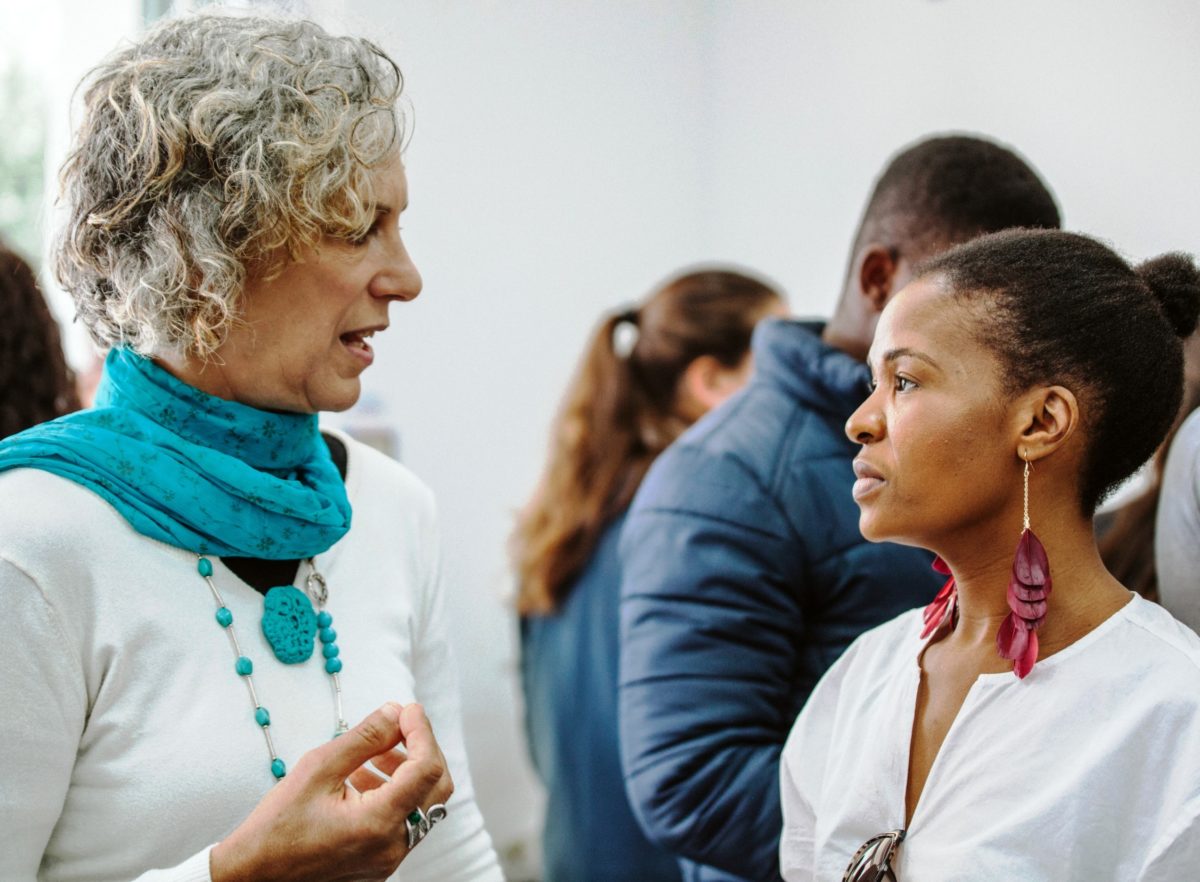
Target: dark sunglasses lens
867, 873
871, 863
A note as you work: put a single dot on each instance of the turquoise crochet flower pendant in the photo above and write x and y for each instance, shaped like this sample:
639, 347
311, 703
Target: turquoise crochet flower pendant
289, 624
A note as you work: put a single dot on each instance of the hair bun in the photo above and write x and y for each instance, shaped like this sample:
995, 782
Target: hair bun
1174, 281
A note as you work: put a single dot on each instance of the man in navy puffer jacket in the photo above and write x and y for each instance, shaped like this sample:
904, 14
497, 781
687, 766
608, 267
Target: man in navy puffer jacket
744, 573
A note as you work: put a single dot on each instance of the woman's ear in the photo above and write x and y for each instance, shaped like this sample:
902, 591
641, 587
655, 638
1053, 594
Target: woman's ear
706, 383
1049, 416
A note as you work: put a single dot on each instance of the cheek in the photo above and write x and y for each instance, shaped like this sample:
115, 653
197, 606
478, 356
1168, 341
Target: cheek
955, 480
921, 444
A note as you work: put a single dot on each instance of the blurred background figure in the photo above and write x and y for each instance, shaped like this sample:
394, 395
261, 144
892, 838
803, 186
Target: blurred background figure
1175, 532
648, 374
1127, 532
744, 574
36, 384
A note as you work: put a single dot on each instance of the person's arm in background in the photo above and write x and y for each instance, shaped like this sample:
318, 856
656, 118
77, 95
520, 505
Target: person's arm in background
1177, 528
710, 618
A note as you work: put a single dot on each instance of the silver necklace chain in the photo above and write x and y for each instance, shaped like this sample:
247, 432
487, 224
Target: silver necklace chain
318, 593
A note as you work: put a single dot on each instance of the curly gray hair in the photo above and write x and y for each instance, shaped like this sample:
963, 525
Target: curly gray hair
215, 144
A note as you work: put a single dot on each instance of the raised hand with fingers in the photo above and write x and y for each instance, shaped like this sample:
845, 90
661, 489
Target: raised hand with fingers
351, 809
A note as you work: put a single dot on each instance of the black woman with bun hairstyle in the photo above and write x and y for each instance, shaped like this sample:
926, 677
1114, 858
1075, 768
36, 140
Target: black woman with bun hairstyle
1037, 721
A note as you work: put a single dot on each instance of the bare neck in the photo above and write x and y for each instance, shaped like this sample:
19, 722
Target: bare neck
1084, 593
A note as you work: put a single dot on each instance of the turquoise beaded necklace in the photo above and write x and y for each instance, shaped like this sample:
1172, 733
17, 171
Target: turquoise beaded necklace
288, 647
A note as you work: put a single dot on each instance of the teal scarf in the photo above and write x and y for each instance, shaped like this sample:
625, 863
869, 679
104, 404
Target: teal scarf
197, 472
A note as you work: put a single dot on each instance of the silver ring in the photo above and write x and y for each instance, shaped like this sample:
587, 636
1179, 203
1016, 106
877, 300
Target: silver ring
437, 813
418, 826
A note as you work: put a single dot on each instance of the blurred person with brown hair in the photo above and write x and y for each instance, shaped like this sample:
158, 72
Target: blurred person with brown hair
648, 373
36, 384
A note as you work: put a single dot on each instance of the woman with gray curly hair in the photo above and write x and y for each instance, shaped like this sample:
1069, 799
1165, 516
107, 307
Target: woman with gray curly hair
233, 196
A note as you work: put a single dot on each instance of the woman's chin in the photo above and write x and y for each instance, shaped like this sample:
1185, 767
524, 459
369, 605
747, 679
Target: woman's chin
875, 528
334, 397
869, 533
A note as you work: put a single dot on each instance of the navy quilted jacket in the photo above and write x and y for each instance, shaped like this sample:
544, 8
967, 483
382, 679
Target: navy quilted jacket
744, 578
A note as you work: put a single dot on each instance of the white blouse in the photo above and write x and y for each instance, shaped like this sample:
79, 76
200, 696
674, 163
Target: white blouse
128, 744
1087, 769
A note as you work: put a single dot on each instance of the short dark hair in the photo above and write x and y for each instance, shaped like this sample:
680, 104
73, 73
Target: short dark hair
35, 383
952, 188
1061, 308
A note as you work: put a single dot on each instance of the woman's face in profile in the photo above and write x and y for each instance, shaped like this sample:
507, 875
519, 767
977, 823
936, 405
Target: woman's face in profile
304, 337
938, 444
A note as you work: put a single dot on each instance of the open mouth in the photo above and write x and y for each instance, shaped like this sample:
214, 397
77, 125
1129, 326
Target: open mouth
356, 343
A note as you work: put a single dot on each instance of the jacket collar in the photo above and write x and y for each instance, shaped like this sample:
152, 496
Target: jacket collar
791, 354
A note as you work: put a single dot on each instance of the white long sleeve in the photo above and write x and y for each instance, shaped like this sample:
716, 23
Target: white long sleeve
129, 742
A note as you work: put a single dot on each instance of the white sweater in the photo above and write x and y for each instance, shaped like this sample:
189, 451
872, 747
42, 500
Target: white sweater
128, 745
1088, 769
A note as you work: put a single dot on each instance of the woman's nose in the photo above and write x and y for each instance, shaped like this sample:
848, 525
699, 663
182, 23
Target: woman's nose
398, 278
866, 424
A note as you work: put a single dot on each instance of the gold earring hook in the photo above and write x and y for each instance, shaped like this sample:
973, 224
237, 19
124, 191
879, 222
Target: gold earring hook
1025, 518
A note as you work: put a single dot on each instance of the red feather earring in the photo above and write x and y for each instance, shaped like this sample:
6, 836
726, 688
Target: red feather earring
945, 605
1028, 589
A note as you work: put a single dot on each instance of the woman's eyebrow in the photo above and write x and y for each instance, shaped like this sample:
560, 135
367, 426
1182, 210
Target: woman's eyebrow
894, 354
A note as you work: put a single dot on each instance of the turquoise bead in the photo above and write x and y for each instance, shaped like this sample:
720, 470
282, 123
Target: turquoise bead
333, 665
204, 565
278, 769
224, 617
324, 619
330, 650
328, 635
244, 666
262, 716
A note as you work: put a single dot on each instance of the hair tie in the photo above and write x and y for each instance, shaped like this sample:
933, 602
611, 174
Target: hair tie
625, 333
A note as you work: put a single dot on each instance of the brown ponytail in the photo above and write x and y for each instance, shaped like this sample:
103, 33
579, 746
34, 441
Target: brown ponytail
619, 413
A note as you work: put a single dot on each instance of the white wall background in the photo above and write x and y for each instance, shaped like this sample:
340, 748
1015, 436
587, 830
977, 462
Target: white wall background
567, 155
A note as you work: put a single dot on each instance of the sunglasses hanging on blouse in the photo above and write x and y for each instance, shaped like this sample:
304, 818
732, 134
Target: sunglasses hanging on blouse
872, 862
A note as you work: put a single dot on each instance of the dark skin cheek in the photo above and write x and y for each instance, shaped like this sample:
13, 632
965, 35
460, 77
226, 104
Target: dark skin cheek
938, 476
